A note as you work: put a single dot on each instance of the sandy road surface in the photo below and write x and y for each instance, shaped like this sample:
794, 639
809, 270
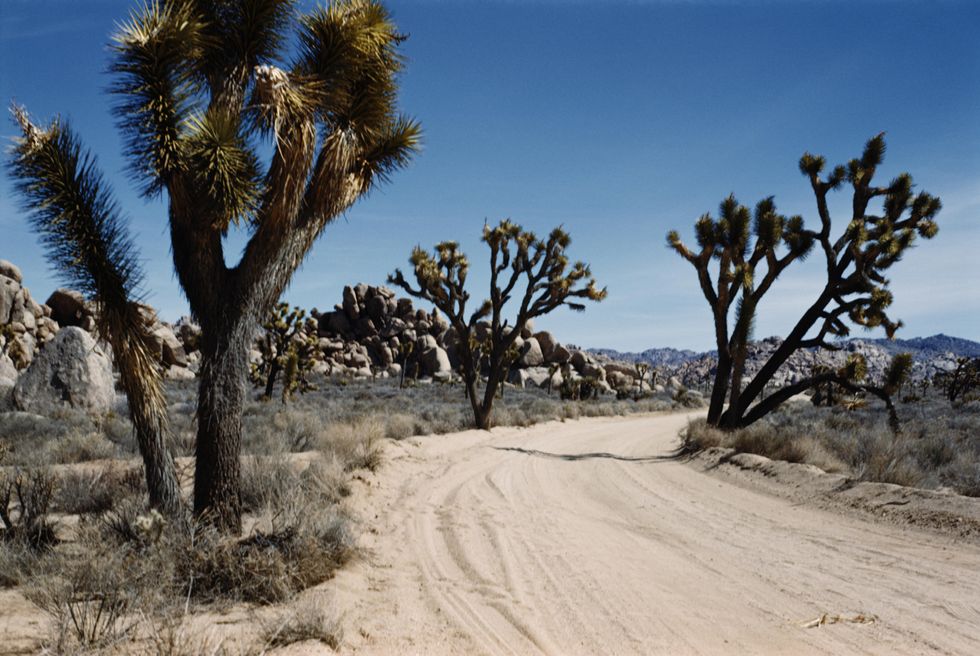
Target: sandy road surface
581, 538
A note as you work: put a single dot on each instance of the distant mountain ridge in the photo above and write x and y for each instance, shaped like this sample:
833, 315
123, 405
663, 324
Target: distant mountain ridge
921, 348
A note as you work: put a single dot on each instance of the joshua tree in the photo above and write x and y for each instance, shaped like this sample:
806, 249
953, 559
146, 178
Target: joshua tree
961, 381
87, 240
200, 85
284, 342
746, 252
517, 258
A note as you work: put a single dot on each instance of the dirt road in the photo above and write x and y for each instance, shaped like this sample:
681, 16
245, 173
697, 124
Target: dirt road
583, 538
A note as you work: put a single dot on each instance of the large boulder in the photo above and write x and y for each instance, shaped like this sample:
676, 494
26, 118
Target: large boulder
531, 355
9, 293
547, 342
70, 370
558, 355
436, 362
69, 308
10, 270
170, 349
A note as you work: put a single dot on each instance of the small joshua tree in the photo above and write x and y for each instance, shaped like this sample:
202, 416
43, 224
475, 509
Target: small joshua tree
285, 348
236, 129
534, 271
87, 239
750, 252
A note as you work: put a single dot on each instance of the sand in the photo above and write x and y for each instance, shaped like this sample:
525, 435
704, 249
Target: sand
587, 538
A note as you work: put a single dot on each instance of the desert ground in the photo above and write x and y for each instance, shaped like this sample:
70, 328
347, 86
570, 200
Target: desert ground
588, 537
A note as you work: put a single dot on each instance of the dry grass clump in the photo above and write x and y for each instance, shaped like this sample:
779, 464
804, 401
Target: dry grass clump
88, 491
309, 619
356, 443
939, 444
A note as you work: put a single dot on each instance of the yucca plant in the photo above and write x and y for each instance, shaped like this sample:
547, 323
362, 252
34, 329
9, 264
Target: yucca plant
201, 87
535, 272
86, 238
750, 252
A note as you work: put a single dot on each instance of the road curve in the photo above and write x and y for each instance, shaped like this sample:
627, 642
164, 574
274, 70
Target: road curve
587, 538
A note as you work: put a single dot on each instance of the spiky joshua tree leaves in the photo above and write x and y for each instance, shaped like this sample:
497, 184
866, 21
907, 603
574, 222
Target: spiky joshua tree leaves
86, 237
202, 86
535, 272
741, 254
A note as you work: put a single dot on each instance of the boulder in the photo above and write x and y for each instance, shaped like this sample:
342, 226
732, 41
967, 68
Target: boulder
538, 376
351, 308
531, 355
334, 323
426, 343
68, 308
10, 270
547, 342
7, 369
189, 333
436, 362
558, 355
175, 372
171, 351
404, 308
71, 369
9, 291
517, 377
376, 308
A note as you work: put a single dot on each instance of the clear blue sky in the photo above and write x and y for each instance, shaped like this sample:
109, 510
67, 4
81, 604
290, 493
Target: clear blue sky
617, 119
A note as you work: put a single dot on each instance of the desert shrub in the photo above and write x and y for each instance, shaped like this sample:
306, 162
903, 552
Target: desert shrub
118, 429
767, 440
356, 444
400, 425
17, 561
94, 491
88, 599
80, 447
963, 475
25, 498
698, 436
309, 619
938, 446
299, 540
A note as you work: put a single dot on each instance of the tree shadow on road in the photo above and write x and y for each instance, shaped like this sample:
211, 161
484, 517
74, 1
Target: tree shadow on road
586, 456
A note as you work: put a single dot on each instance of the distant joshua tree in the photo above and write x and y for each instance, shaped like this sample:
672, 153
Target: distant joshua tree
88, 243
536, 270
962, 381
745, 250
200, 84
285, 350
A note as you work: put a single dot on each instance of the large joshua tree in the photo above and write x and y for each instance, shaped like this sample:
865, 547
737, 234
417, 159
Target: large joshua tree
202, 87
522, 266
740, 256
88, 243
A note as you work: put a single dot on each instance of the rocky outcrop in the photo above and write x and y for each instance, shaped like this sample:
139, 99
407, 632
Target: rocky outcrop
70, 370
24, 324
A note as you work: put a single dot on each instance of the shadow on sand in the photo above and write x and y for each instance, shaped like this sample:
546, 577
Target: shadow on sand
571, 457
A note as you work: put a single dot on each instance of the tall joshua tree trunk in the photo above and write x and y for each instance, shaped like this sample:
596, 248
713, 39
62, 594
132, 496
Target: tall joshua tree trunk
221, 399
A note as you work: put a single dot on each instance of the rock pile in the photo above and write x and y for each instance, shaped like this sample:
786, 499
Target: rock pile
24, 324
372, 332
